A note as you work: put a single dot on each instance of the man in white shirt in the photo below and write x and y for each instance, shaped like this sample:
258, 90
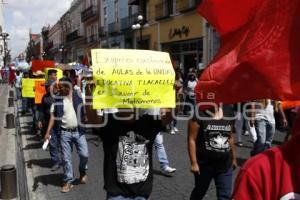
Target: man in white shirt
67, 119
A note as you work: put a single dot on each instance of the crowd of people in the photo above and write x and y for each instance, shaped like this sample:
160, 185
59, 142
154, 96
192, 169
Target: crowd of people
129, 136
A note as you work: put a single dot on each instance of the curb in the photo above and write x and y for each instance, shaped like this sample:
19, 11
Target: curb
8, 137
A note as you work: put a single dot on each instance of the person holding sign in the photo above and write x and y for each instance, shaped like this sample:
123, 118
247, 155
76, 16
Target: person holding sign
126, 81
130, 175
67, 119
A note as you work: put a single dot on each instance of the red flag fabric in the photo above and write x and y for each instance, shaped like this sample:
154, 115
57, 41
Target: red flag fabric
259, 56
41, 65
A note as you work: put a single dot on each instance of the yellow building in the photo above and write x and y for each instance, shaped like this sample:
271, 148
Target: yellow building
173, 26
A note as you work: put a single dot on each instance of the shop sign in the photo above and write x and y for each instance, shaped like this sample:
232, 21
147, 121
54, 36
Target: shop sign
179, 32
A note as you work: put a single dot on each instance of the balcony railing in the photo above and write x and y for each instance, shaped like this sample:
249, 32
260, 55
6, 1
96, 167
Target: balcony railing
163, 10
88, 13
72, 36
113, 28
102, 31
127, 22
186, 5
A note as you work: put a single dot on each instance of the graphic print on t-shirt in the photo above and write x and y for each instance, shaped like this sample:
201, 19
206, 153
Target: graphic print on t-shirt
291, 196
132, 159
217, 140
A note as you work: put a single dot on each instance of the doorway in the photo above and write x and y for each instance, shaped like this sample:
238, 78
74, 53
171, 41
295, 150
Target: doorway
189, 61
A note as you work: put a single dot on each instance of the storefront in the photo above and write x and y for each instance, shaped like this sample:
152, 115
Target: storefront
182, 37
185, 54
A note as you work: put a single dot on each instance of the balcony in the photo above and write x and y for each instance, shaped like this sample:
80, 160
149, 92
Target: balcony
186, 5
72, 36
91, 39
89, 13
102, 31
127, 22
163, 10
113, 28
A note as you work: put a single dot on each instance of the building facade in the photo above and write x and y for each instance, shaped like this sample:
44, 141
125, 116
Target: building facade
168, 25
55, 40
172, 26
76, 37
1, 29
90, 18
117, 19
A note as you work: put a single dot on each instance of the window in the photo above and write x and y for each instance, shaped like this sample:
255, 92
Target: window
117, 11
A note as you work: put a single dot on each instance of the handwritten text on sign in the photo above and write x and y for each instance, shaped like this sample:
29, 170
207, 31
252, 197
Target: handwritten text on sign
132, 78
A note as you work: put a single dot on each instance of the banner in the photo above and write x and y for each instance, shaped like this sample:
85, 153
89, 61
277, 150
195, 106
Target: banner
289, 104
41, 65
59, 73
28, 87
39, 91
127, 78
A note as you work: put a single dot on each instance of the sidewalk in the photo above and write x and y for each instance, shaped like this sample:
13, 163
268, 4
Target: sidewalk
43, 184
7, 136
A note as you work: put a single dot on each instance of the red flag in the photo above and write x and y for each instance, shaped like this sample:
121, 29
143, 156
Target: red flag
41, 65
259, 55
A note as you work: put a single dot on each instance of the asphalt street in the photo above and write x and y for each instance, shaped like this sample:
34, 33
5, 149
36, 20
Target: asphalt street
44, 184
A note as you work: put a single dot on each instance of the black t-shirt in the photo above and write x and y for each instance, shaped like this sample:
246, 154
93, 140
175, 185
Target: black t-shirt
128, 156
212, 144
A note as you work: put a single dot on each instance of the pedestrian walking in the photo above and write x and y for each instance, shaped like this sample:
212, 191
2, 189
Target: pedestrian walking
190, 96
262, 117
212, 151
162, 155
127, 145
241, 123
18, 85
67, 119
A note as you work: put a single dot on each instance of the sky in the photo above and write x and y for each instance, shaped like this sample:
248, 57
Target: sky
21, 15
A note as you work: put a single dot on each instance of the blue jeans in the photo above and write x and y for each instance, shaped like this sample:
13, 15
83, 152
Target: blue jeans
173, 123
160, 151
125, 198
18, 93
24, 104
54, 148
223, 183
239, 123
67, 141
265, 133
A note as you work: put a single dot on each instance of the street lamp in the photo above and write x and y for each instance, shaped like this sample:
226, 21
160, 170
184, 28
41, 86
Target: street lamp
139, 26
44, 55
62, 49
4, 36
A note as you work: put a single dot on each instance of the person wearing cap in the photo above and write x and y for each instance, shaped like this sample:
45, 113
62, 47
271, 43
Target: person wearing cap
68, 118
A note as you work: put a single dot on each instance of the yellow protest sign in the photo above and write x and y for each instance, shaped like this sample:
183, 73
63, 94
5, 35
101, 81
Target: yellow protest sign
39, 91
59, 73
28, 85
127, 78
